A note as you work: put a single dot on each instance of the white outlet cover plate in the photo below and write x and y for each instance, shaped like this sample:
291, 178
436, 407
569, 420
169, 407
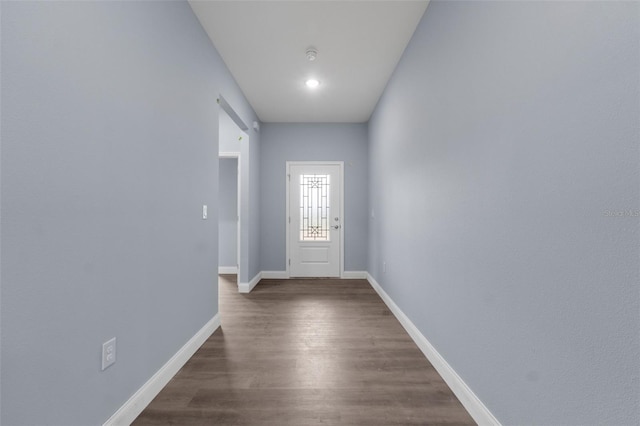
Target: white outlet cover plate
108, 353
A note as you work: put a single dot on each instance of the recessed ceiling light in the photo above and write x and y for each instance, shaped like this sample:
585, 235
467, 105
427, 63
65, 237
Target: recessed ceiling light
312, 83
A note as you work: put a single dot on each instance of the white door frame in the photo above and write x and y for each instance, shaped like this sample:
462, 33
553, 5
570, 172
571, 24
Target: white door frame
286, 215
238, 201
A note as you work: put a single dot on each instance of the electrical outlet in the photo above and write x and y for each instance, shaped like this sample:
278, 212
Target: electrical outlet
108, 353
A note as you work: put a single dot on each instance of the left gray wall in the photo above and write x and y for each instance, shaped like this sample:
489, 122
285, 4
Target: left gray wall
109, 150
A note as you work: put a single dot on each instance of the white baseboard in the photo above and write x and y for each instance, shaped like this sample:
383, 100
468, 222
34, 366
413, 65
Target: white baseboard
227, 270
247, 287
275, 275
469, 400
139, 400
282, 275
354, 275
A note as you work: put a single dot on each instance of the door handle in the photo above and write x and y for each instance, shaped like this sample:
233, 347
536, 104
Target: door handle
336, 226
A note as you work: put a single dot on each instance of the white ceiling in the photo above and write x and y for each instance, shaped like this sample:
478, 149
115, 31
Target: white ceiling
263, 44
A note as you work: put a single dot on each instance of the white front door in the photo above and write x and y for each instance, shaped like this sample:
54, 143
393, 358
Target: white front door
314, 219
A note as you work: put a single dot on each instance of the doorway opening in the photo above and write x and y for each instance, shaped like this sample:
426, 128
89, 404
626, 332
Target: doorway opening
233, 188
228, 214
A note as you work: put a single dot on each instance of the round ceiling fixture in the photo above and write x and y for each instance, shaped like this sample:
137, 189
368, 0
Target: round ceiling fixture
312, 54
312, 83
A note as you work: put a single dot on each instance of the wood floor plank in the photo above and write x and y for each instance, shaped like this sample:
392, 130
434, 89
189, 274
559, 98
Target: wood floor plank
306, 352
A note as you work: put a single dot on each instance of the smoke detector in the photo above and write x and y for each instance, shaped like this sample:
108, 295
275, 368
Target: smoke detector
312, 54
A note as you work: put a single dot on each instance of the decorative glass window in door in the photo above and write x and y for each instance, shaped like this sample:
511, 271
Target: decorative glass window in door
314, 207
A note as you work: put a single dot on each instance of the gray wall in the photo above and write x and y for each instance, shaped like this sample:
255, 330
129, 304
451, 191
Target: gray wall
313, 142
228, 213
109, 149
254, 206
506, 133
229, 134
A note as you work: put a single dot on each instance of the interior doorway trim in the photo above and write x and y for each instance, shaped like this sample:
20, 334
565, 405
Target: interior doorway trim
237, 156
287, 209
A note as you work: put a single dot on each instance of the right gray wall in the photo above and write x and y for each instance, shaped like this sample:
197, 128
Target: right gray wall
504, 200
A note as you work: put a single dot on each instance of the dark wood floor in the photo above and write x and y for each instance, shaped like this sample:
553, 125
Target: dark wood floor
306, 352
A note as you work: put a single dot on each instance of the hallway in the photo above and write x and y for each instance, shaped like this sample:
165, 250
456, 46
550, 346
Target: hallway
305, 352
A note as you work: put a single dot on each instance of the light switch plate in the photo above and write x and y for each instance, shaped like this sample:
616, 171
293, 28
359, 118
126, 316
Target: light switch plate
204, 211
